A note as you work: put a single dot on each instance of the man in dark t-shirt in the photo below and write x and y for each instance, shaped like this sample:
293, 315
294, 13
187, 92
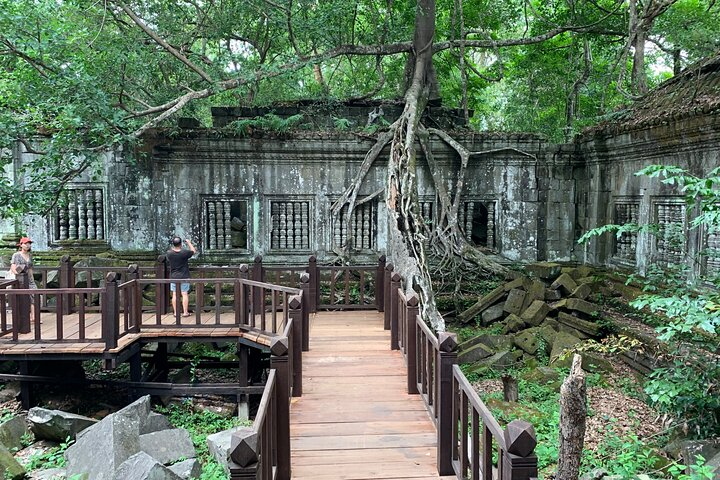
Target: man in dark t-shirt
178, 260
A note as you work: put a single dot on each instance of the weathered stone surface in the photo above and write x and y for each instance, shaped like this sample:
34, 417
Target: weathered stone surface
142, 466
542, 375
216, 405
475, 353
57, 425
513, 323
595, 474
168, 446
535, 313
521, 282
48, 474
582, 291
552, 295
12, 431
528, 340
492, 314
187, 469
485, 302
563, 343
573, 331
583, 306
547, 334
497, 342
544, 270
9, 392
101, 448
219, 446
514, 301
535, 291
154, 423
9, 467
565, 283
499, 361
588, 328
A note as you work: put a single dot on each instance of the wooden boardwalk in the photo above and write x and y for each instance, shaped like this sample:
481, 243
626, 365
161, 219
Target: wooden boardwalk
355, 419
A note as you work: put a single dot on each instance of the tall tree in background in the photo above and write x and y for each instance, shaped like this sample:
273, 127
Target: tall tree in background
79, 78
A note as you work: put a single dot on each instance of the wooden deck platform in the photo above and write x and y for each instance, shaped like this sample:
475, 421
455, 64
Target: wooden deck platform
355, 419
71, 344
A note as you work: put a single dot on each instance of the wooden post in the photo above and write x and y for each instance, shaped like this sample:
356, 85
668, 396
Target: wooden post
258, 275
245, 455
394, 308
573, 414
241, 304
446, 358
27, 396
306, 296
519, 461
379, 285
162, 291
67, 280
110, 315
386, 295
314, 297
411, 341
296, 315
279, 362
134, 303
21, 314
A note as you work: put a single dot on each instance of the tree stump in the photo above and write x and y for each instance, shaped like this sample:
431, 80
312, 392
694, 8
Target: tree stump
573, 413
510, 388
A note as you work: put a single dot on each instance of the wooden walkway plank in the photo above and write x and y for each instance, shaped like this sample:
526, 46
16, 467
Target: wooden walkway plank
355, 419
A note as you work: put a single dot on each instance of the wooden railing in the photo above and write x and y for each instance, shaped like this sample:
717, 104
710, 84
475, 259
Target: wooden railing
466, 430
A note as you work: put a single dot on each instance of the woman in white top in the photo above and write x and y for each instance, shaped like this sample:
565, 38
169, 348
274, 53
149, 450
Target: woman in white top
23, 257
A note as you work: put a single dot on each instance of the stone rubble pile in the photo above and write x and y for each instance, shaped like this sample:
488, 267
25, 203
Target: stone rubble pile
545, 313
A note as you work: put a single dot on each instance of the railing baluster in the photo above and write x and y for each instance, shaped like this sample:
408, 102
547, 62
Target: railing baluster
81, 316
58, 317
218, 301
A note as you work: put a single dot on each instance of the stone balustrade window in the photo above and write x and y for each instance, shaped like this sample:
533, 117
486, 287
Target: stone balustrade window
362, 233
477, 222
290, 224
671, 238
626, 211
427, 210
226, 223
79, 215
712, 255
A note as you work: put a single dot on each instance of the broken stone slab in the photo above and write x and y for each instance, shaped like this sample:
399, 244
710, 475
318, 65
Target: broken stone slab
573, 331
103, 447
219, 446
578, 272
154, 423
187, 469
547, 334
9, 467
542, 375
513, 323
12, 432
168, 446
564, 283
535, 313
217, 405
142, 466
500, 361
9, 392
48, 474
582, 306
514, 302
588, 328
552, 295
521, 282
528, 340
535, 291
497, 342
485, 302
563, 346
582, 292
493, 314
475, 353
57, 425
545, 270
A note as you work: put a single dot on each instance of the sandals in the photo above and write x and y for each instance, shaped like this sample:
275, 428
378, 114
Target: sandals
186, 314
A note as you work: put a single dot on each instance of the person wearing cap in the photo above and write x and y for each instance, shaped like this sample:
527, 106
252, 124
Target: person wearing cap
23, 257
179, 268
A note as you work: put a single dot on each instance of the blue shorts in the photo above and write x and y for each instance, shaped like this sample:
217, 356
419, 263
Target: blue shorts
184, 287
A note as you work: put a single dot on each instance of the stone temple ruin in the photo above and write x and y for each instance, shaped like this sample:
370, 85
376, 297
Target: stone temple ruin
270, 193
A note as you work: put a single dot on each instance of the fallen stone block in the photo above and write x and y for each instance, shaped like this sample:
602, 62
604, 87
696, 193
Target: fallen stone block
493, 314
168, 446
155, 422
528, 340
535, 291
142, 466
513, 323
565, 283
521, 282
12, 431
57, 425
475, 353
535, 313
551, 294
497, 342
563, 346
514, 301
48, 474
219, 446
586, 327
9, 467
499, 361
582, 306
582, 291
187, 469
544, 270
485, 302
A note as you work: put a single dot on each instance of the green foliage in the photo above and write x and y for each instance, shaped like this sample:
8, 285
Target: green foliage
625, 456
269, 122
698, 470
52, 458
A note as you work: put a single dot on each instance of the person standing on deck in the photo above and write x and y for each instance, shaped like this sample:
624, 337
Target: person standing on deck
179, 268
23, 257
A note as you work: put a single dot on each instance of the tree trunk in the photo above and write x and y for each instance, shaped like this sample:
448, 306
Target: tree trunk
573, 412
510, 388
